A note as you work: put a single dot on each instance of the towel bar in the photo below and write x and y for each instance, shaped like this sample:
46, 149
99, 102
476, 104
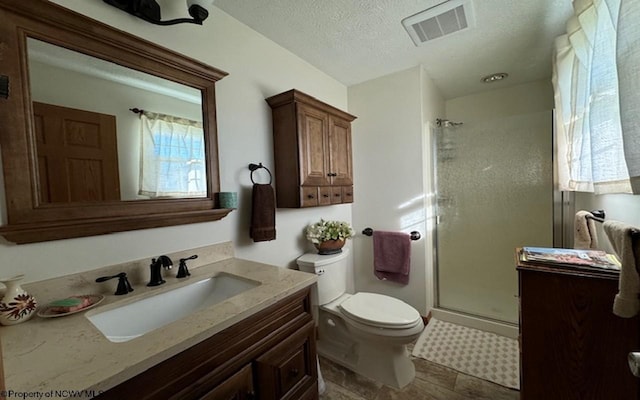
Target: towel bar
415, 235
599, 215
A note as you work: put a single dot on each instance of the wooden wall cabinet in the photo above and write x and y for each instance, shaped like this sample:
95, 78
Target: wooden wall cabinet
572, 345
312, 148
268, 356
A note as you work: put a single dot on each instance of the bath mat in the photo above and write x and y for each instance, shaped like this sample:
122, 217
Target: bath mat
473, 352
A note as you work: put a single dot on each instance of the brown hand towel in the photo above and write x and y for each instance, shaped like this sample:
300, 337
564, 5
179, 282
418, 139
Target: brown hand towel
626, 303
263, 213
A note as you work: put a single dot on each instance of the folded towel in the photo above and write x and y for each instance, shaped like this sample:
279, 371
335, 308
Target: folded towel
626, 303
263, 213
584, 231
392, 256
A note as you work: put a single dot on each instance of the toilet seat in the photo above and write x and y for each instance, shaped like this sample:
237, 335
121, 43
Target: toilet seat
380, 311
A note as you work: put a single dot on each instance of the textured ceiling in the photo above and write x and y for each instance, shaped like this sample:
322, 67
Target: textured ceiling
358, 40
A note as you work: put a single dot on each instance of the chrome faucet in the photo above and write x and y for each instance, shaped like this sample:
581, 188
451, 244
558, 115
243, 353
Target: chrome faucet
156, 266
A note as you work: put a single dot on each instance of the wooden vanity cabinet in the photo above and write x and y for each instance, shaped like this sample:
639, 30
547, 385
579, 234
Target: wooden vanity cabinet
268, 356
572, 346
312, 149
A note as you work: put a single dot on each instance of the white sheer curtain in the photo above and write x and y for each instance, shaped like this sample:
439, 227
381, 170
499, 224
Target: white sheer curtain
628, 58
172, 159
595, 150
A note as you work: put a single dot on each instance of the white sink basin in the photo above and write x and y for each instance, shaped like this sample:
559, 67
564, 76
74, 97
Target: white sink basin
132, 320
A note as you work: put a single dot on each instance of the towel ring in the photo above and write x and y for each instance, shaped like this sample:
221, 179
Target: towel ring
253, 167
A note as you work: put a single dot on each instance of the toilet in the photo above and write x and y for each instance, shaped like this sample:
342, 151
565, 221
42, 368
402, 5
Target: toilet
365, 332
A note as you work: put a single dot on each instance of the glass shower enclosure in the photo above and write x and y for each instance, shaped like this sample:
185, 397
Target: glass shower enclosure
494, 192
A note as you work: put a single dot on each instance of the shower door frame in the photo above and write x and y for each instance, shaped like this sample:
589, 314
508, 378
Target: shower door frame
562, 208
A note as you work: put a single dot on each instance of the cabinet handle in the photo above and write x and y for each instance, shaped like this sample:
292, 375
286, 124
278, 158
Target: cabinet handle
325, 195
293, 372
311, 196
337, 195
332, 174
348, 194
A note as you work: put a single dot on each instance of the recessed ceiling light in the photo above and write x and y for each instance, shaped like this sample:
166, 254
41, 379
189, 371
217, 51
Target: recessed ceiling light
495, 77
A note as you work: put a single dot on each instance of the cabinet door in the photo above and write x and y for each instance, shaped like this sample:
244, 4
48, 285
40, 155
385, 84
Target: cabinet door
347, 194
313, 126
288, 371
573, 346
324, 195
238, 387
309, 196
336, 195
340, 163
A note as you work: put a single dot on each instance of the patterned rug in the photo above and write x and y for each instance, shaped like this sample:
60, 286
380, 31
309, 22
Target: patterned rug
473, 352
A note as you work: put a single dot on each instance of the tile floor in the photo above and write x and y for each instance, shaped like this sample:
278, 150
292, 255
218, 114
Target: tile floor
432, 382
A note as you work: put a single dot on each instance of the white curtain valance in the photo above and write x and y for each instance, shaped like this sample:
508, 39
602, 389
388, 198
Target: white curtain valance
597, 146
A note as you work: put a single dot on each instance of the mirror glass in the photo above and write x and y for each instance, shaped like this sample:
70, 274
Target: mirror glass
92, 147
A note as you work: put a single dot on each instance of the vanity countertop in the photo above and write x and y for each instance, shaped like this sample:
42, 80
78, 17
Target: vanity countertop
45, 355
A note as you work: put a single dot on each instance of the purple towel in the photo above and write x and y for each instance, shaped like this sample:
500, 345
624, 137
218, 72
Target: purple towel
392, 256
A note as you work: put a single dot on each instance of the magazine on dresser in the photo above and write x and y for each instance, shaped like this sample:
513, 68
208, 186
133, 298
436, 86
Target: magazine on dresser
570, 257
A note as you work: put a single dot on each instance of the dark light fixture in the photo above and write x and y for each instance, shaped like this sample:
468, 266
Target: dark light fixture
149, 10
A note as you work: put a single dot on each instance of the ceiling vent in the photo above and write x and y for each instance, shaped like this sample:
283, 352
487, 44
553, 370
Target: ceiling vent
438, 21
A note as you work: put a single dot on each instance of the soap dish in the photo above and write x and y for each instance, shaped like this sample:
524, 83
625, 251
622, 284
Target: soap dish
52, 309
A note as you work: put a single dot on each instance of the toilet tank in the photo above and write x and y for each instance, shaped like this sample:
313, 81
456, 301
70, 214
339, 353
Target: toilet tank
331, 271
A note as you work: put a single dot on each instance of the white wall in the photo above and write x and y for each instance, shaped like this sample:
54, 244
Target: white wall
388, 140
619, 207
258, 68
515, 100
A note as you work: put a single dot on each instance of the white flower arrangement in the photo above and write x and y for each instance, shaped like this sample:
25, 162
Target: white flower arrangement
328, 230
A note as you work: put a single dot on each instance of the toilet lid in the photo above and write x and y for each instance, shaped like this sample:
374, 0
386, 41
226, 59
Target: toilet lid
380, 310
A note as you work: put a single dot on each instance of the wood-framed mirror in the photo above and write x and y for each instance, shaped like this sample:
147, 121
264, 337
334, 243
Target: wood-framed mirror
48, 110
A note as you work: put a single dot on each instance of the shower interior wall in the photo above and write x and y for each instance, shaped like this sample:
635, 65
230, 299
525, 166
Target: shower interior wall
393, 168
489, 107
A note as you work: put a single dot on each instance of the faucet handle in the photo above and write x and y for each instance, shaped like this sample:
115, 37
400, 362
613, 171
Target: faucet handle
124, 286
183, 271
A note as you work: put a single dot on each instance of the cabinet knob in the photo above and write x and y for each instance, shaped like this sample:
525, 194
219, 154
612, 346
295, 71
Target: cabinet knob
325, 195
310, 196
332, 174
337, 194
293, 372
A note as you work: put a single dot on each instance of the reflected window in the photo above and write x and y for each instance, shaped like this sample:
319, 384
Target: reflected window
172, 157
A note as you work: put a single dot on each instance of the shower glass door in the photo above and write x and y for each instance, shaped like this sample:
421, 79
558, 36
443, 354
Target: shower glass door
494, 186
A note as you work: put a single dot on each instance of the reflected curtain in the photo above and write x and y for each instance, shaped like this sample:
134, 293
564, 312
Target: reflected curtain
172, 159
597, 133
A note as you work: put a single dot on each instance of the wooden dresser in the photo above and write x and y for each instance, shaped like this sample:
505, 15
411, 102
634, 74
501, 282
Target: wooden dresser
572, 346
